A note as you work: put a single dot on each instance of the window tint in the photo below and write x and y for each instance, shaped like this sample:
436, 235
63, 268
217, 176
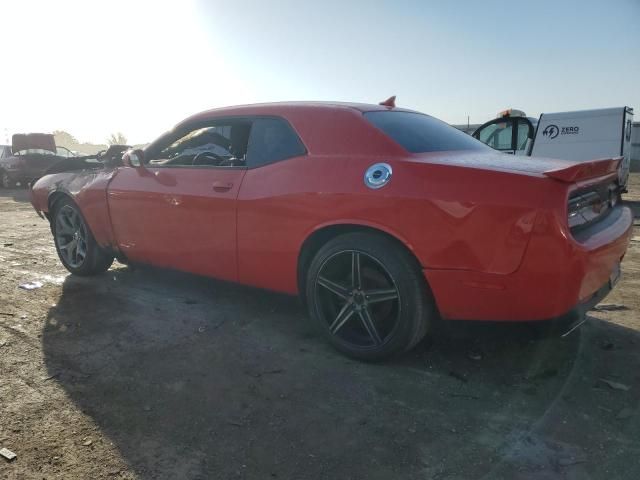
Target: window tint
419, 133
272, 139
220, 145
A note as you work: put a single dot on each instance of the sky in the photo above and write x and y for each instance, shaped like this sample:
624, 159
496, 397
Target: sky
139, 67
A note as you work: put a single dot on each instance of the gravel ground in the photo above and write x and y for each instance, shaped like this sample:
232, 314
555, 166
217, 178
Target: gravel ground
143, 373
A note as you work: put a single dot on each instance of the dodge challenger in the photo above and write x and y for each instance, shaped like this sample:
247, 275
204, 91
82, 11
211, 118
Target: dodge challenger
382, 219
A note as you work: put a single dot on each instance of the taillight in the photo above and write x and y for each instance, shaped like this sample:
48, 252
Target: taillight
591, 205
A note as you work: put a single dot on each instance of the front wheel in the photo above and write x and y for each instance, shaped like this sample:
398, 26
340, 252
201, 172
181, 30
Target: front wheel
76, 247
368, 295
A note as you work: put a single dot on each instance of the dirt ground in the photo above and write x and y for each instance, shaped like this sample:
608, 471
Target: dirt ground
142, 373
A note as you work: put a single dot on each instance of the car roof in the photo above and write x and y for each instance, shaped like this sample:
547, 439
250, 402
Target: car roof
325, 128
284, 108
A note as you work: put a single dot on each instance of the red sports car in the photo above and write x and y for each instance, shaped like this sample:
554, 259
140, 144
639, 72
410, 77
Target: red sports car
380, 218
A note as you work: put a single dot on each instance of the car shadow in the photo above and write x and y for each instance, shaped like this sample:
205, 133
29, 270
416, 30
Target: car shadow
194, 378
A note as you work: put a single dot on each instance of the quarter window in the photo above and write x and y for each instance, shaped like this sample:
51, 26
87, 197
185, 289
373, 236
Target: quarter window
271, 140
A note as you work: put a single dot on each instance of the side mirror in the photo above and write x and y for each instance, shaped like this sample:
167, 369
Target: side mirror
133, 158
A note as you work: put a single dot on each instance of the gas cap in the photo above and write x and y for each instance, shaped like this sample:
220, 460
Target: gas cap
378, 175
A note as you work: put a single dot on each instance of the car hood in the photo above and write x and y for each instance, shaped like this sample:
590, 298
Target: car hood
27, 141
560, 169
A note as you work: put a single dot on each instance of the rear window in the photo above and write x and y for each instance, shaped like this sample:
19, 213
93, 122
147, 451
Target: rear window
419, 133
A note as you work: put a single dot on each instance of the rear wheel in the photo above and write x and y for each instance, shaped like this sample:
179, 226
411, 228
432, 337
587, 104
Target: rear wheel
368, 296
76, 247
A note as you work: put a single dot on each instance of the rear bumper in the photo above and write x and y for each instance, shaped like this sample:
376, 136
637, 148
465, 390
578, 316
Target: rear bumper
560, 275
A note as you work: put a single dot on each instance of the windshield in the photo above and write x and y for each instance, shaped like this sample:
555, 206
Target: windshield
34, 151
419, 133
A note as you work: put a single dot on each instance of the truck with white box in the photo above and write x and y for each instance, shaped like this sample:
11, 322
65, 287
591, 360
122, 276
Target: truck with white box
580, 135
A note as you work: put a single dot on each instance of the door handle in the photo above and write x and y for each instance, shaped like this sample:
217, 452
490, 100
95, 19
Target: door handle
220, 186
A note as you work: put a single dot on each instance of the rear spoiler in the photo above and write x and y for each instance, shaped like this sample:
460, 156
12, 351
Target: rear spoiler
585, 170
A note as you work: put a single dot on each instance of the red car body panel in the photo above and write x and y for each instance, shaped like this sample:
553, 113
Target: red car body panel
554, 276
177, 218
489, 230
277, 213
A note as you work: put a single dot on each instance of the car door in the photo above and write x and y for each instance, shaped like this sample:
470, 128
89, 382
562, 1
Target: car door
179, 209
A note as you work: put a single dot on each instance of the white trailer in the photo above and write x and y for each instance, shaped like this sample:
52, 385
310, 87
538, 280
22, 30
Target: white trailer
580, 135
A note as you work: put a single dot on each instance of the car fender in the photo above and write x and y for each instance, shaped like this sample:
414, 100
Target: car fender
357, 222
88, 190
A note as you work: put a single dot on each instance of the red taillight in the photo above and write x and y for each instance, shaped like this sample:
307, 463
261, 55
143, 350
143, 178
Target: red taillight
586, 207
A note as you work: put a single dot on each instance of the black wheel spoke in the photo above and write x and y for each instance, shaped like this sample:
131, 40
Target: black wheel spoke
63, 227
369, 325
68, 246
356, 274
333, 287
362, 306
71, 236
382, 295
67, 223
343, 316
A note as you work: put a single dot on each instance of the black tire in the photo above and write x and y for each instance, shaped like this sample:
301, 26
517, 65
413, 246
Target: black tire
96, 260
381, 323
5, 180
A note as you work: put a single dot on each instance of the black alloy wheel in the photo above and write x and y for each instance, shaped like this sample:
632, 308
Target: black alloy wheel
368, 296
77, 248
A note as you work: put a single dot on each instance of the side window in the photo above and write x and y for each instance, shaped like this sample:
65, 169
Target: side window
222, 144
525, 131
497, 135
271, 140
